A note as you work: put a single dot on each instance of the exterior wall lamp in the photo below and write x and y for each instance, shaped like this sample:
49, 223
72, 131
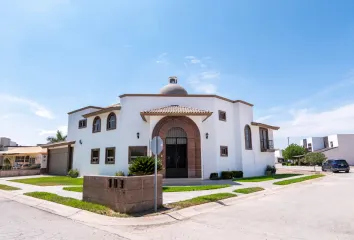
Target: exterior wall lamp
80, 141
207, 135
138, 135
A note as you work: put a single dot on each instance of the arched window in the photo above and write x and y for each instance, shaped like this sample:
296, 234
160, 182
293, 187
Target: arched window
248, 138
111, 121
96, 126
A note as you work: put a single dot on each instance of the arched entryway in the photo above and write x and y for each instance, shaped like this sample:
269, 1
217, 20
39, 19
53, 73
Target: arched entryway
181, 157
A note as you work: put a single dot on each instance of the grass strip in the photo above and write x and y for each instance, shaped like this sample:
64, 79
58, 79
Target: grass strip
296, 180
74, 189
266, 178
72, 202
249, 190
193, 188
8, 188
51, 181
169, 188
201, 200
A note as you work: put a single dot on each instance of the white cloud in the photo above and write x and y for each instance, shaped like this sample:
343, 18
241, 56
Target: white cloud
35, 107
210, 75
161, 59
264, 118
63, 129
306, 123
192, 59
207, 88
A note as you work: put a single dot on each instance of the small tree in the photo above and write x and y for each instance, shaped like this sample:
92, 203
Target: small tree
293, 150
315, 159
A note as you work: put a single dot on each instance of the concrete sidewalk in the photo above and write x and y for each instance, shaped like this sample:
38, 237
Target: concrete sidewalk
168, 197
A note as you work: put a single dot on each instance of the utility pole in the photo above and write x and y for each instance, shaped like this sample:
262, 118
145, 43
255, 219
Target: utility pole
288, 141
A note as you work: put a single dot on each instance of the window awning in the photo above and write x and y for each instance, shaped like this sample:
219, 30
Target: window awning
175, 110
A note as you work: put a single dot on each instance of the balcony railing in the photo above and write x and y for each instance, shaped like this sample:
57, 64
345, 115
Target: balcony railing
267, 145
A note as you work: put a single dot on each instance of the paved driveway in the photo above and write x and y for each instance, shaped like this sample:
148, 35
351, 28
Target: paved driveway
323, 209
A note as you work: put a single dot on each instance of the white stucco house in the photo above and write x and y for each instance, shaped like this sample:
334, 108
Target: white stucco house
336, 146
202, 134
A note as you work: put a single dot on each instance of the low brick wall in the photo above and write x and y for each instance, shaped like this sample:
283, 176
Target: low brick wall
19, 172
123, 194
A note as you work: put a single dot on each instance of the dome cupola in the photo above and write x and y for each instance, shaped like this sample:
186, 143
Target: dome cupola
173, 88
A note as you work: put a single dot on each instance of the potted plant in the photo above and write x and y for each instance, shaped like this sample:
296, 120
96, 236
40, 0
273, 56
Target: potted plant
269, 170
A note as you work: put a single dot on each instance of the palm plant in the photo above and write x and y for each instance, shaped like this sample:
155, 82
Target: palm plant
59, 137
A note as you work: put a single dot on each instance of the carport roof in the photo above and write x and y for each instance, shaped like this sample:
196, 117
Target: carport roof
58, 144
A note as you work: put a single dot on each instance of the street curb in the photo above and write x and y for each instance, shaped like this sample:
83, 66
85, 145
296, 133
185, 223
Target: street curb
96, 220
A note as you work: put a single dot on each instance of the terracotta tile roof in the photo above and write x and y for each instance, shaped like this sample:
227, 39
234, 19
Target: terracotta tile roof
175, 110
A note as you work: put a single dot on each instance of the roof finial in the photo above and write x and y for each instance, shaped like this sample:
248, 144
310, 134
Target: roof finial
173, 79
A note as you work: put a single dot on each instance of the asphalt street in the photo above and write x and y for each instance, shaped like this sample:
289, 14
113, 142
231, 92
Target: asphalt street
22, 222
321, 210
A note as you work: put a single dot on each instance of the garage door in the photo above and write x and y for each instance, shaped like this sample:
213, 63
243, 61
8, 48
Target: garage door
58, 161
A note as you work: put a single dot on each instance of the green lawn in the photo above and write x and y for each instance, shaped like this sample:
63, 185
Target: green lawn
249, 190
193, 188
201, 200
71, 202
170, 188
74, 189
266, 178
51, 181
296, 180
8, 188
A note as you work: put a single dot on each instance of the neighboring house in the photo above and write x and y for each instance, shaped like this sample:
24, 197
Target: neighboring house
333, 146
278, 154
202, 134
25, 156
5, 144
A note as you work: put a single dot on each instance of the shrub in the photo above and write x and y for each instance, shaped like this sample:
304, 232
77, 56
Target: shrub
144, 166
214, 176
120, 174
272, 169
73, 173
226, 175
237, 174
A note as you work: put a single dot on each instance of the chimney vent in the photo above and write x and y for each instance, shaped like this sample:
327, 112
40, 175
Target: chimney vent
173, 80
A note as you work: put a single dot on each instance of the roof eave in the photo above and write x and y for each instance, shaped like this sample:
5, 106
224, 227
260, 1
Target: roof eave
58, 144
143, 115
265, 125
104, 110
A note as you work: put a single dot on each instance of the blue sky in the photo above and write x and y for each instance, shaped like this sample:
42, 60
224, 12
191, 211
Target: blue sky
293, 59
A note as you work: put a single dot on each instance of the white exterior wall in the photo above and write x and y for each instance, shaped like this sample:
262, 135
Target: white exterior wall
346, 147
334, 139
129, 123
73, 123
317, 143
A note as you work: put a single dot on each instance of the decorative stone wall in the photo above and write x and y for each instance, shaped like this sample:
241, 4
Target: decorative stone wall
123, 194
20, 172
193, 145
